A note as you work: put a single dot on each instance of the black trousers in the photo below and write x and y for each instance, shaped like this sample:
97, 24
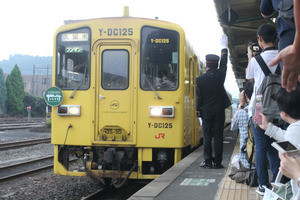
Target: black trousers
213, 127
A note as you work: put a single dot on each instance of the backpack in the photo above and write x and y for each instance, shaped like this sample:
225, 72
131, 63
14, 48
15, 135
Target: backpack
244, 175
268, 88
250, 147
286, 12
252, 179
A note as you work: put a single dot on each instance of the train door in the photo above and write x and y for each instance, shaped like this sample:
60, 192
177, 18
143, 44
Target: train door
193, 64
190, 99
114, 95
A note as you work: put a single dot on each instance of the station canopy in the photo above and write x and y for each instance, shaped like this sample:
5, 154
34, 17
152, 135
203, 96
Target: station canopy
240, 20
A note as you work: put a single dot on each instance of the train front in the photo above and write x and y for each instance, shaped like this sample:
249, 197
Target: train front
123, 100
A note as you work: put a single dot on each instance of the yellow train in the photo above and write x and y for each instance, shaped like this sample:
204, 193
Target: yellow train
128, 107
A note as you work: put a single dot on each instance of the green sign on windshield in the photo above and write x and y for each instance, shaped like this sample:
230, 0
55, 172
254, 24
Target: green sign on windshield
74, 50
53, 96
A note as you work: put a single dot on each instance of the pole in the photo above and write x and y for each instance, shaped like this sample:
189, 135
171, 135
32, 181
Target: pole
47, 77
29, 113
33, 73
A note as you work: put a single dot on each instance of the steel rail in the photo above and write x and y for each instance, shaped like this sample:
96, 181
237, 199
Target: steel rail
26, 172
26, 162
93, 195
6, 178
11, 145
20, 126
30, 171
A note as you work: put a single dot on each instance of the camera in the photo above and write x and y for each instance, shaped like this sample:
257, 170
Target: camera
255, 48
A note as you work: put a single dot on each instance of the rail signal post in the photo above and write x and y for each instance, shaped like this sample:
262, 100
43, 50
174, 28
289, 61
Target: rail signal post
29, 113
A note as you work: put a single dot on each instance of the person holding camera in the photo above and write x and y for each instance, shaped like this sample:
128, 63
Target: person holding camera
253, 50
267, 36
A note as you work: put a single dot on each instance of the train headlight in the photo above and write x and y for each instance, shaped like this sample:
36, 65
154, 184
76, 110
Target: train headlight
161, 111
155, 111
68, 110
74, 110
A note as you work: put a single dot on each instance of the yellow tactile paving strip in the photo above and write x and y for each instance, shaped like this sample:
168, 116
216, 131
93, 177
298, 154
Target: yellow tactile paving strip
230, 190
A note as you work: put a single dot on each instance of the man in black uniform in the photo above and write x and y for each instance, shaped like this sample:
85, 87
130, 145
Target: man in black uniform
211, 103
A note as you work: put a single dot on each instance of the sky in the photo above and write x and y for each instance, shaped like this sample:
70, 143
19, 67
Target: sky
27, 27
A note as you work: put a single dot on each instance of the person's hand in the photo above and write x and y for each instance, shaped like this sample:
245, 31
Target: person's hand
265, 122
255, 54
198, 113
291, 67
289, 166
224, 41
249, 53
254, 118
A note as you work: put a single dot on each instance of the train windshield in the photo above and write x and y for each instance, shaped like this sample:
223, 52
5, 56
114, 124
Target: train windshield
159, 59
73, 60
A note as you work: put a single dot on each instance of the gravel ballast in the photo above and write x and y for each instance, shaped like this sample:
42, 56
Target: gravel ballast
42, 185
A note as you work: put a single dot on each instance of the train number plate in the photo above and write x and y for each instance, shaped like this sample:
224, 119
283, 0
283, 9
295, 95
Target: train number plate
109, 131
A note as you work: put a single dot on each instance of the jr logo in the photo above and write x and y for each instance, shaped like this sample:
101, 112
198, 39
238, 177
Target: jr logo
114, 105
162, 135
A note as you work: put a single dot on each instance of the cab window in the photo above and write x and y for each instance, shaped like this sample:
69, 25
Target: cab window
159, 59
73, 59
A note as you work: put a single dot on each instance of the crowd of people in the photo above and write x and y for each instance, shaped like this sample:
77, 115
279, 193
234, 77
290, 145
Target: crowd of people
285, 61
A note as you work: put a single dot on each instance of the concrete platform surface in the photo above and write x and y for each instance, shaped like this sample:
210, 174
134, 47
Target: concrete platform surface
187, 181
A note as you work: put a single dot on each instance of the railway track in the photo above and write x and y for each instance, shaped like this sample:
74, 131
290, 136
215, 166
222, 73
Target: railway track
19, 120
94, 195
11, 145
14, 171
20, 125
28, 167
111, 192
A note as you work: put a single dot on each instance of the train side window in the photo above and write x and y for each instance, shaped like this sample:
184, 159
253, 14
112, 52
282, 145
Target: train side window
115, 70
159, 59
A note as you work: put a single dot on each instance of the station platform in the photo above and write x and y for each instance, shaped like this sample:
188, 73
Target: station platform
187, 181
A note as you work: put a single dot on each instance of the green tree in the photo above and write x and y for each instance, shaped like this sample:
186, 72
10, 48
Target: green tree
38, 105
3, 90
15, 91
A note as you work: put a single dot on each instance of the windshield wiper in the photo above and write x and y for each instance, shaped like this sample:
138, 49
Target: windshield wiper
81, 82
151, 86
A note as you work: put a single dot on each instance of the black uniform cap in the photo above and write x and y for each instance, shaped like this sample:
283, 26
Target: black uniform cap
212, 60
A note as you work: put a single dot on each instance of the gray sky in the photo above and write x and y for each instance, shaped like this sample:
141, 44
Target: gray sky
27, 27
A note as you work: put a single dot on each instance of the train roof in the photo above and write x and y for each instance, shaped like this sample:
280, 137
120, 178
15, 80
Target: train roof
239, 20
72, 24
136, 19
116, 18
